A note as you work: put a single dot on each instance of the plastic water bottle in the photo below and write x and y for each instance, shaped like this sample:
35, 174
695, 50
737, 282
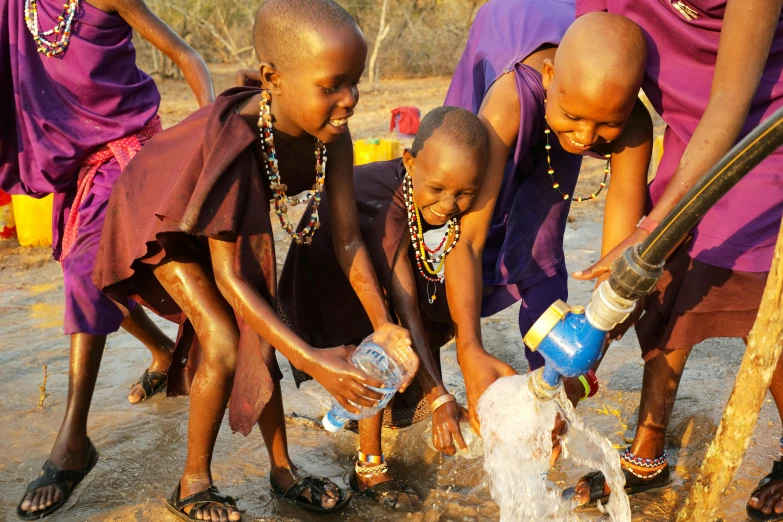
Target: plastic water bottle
472, 441
374, 361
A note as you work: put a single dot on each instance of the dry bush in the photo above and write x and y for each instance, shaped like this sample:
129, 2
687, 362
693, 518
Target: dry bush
426, 36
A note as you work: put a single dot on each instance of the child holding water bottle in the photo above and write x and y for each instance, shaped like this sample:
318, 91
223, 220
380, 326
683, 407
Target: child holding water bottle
409, 212
188, 233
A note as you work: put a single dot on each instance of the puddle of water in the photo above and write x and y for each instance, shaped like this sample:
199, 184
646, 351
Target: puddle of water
42, 288
46, 315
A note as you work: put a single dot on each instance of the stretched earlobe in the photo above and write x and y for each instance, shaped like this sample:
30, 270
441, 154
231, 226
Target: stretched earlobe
270, 77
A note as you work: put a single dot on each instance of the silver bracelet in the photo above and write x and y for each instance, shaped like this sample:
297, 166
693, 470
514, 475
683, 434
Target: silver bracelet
440, 401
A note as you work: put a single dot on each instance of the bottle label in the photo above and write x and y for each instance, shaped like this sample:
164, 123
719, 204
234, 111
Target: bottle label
387, 395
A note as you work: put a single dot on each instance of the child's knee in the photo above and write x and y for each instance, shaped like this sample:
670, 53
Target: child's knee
219, 352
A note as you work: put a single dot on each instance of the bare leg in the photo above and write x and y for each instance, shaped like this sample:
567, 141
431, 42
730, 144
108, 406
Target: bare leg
284, 472
370, 444
139, 325
770, 499
70, 448
193, 288
662, 376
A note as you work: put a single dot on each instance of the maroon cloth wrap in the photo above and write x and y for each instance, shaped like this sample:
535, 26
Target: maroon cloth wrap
315, 293
201, 179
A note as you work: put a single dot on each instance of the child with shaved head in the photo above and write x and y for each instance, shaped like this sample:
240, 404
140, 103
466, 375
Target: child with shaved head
549, 90
409, 215
189, 234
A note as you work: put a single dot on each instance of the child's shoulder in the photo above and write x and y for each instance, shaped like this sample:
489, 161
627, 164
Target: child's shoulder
379, 184
387, 174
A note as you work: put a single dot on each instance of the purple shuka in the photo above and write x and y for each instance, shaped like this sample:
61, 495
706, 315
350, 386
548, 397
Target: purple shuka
740, 231
523, 256
58, 110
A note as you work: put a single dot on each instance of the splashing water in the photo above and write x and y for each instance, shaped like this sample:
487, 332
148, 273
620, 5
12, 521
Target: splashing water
516, 428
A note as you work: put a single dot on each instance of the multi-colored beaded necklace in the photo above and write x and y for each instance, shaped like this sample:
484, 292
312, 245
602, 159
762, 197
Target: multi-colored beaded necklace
420, 249
63, 27
279, 188
556, 185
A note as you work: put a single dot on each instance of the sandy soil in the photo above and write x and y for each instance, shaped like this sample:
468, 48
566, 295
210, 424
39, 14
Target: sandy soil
143, 446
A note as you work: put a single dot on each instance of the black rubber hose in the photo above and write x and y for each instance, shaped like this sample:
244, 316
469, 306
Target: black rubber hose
748, 153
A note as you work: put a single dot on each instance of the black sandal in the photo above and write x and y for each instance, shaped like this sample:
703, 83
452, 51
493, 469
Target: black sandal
757, 514
152, 383
211, 495
317, 493
385, 493
633, 485
52, 475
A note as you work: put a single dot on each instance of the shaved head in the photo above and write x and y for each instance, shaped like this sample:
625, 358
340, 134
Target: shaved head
284, 30
600, 51
593, 85
461, 127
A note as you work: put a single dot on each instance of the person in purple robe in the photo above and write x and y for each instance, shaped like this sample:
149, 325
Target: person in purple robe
76, 108
549, 91
713, 283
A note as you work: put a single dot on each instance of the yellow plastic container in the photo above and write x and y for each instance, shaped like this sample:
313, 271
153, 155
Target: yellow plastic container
657, 153
33, 219
368, 151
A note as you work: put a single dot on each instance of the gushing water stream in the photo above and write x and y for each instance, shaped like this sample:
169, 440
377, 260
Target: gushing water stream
516, 427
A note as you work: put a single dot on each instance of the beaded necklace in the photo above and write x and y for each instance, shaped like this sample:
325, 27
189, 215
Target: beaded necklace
63, 27
281, 199
556, 185
420, 249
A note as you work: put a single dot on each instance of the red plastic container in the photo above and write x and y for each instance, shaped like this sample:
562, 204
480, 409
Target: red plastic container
7, 226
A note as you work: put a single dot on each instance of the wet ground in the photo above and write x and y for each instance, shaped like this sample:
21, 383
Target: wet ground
142, 446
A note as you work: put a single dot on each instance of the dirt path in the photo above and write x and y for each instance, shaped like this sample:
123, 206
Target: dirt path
143, 446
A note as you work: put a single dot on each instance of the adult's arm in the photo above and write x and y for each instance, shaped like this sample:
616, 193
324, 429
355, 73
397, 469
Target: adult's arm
745, 40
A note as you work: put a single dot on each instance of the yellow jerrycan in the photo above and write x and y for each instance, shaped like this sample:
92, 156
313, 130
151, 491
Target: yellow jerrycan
368, 151
33, 219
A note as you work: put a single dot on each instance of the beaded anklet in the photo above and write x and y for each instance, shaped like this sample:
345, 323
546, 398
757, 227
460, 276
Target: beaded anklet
378, 465
381, 469
651, 467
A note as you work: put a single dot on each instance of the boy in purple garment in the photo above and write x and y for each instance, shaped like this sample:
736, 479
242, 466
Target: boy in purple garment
713, 283
546, 100
75, 110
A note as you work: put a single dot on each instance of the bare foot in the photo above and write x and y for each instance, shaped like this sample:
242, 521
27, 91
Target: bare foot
770, 499
287, 477
214, 511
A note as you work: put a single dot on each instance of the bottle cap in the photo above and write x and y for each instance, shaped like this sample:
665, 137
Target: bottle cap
331, 425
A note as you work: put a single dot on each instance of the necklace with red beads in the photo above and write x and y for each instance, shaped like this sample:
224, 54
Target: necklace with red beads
63, 27
281, 199
420, 249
